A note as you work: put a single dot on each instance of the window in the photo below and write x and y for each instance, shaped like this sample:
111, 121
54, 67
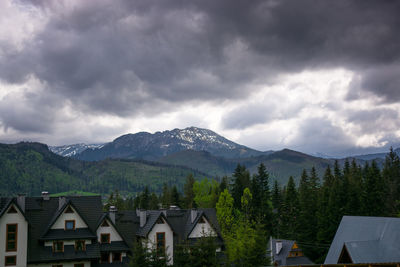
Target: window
70, 225
295, 254
105, 238
80, 245
117, 257
12, 234
58, 246
12, 210
11, 260
69, 210
104, 257
160, 242
105, 224
79, 265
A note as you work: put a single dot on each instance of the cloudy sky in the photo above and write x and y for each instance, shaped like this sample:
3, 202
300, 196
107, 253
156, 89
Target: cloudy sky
315, 76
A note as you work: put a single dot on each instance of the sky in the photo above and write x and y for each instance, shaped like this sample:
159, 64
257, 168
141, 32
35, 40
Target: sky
313, 76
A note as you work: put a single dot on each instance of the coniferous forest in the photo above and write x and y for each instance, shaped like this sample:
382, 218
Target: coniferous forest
251, 209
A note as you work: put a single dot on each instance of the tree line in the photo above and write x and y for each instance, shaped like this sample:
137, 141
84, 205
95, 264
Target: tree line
249, 211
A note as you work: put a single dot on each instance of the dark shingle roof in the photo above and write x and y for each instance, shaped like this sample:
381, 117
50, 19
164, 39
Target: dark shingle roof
114, 246
367, 239
45, 254
41, 212
61, 234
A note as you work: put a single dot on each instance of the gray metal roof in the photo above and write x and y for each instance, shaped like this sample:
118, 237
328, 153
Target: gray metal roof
367, 239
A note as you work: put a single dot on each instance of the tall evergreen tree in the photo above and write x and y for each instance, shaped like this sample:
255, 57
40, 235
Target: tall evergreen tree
188, 192
241, 178
391, 177
277, 203
374, 191
290, 211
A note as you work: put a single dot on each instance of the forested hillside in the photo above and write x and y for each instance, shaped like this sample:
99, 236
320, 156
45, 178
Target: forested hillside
31, 168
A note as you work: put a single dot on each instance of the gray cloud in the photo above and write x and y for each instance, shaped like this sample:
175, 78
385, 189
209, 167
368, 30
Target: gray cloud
128, 57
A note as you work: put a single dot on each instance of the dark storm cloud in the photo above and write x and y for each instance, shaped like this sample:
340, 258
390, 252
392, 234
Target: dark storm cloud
124, 57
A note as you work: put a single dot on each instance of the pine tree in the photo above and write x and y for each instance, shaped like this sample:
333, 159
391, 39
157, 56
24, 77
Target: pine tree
374, 191
290, 212
241, 181
175, 197
391, 176
188, 192
277, 210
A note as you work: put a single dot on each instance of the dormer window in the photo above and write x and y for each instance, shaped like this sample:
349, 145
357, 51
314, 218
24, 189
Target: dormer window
70, 225
12, 210
69, 210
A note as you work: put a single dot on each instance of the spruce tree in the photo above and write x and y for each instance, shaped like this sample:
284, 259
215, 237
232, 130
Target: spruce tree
188, 197
241, 178
290, 211
391, 177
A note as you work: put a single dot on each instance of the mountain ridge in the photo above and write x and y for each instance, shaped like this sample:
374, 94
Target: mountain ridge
149, 146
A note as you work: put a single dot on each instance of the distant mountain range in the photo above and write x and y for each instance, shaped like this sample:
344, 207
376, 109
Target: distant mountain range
203, 150
73, 150
149, 146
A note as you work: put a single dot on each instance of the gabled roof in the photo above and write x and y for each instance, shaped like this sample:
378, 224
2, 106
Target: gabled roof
41, 212
106, 216
7, 203
60, 211
152, 217
367, 240
282, 257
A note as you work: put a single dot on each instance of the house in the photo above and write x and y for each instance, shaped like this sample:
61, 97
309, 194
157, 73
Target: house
286, 252
362, 239
76, 232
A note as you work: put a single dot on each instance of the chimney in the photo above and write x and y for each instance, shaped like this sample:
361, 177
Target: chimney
45, 195
193, 214
278, 245
21, 201
112, 212
61, 202
142, 218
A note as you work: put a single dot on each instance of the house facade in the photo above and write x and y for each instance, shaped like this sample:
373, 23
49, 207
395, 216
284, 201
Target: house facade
75, 232
286, 252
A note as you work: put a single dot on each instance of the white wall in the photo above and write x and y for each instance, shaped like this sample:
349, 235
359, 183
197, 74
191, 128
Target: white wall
202, 228
64, 264
169, 238
60, 223
114, 236
22, 237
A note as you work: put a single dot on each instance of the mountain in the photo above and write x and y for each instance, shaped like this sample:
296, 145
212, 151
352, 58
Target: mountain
32, 168
375, 155
144, 145
72, 150
280, 164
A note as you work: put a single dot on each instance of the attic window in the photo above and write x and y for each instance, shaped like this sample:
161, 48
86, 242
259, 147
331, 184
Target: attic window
105, 224
12, 210
69, 210
202, 220
295, 246
160, 221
